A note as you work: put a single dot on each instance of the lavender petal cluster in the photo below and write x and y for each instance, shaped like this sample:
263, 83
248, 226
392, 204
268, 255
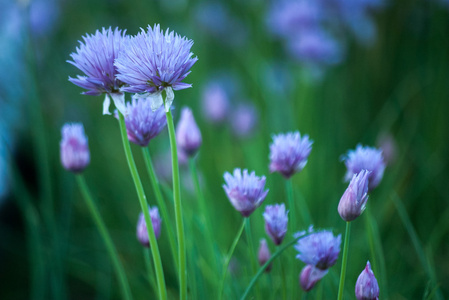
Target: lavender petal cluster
366, 287
142, 231
289, 153
319, 249
246, 192
188, 135
75, 155
142, 123
276, 221
365, 158
353, 201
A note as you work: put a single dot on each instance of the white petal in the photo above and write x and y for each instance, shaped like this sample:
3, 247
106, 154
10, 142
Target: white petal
106, 104
169, 99
156, 100
119, 101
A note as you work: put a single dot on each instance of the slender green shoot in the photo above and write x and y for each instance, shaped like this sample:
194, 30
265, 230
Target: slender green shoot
344, 262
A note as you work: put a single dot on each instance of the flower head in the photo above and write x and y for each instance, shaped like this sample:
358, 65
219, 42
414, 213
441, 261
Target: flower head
215, 103
95, 58
75, 155
310, 276
263, 255
353, 201
245, 191
289, 153
153, 61
188, 135
244, 120
142, 231
365, 158
319, 249
276, 220
142, 123
366, 287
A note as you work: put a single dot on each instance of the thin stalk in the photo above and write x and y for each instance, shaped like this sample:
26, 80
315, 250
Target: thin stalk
291, 204
144, 206
304, 211
178, 209
150, 272
283, 278
161, 203
228, 259
262, 269
249, 237
344, 262
106, 237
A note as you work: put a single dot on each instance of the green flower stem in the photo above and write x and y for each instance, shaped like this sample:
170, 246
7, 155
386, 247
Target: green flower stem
178, 209
150, 272
344, 262
291, 204
249, 237
106, 237
228, 259
144, 206
261, 270
161, 203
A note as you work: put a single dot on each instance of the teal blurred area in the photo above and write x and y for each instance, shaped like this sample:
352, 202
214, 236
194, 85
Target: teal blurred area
392, 92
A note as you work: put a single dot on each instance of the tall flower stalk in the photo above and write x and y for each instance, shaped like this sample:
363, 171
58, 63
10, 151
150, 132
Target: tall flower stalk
344, 261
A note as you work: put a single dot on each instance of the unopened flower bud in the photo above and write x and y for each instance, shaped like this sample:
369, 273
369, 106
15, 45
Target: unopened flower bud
310, 276
142, 231
353, 201
366, 287
75, 155
264, 254
188, 135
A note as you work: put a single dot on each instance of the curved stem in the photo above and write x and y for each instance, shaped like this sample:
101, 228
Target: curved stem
144, 206
228, 259
178, 209
344, 262
160, 203
106, 237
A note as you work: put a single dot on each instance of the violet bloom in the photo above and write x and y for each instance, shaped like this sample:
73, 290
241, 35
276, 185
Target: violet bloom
142, 231
366, 287
188, 135
244, 120
276, 220
353, 201
245, 191
319, 249
263, 255
153, 62
215, 103
95, 58
75, 155
310, 276
289, 153
365, 158
142, 123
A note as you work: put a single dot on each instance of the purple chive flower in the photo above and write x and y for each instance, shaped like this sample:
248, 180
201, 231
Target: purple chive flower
319, 249
95, 58
310, 276
142, 231
365, 158
289, 153
263, 255
215, 103
366, 287
276, 220
153, 61
142, 123
188, 135
353, 201
244, 120
75, 155
245, 191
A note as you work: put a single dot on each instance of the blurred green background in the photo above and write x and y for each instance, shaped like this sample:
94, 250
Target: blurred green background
396, 86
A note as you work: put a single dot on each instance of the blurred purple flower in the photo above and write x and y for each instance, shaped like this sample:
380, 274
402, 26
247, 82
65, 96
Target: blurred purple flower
263, 255
215, 103
366, 287
388, 145
188, 135
310, 276
365, 158
353, 201
43, 16
289, 153
153, 61
142, 231
75, 155
245, 191
244, 120
142, 123
276, 220
319, 249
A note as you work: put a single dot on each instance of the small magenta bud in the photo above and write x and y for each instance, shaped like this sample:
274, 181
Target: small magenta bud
353, 201
264, 254
366, 287
310, 276
142, 232
188, 135
75, 155
276, 220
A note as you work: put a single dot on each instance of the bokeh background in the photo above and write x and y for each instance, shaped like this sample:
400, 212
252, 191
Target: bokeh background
362, 71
